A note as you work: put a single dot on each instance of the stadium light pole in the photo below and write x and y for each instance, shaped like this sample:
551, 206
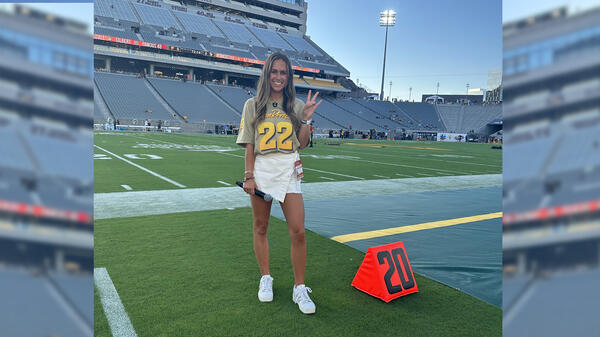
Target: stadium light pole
387, 19
409, 93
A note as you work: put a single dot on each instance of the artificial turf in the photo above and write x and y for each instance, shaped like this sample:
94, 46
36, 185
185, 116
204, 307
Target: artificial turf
195, 274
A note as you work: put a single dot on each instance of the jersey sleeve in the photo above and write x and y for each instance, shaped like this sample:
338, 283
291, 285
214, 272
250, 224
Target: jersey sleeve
246, 133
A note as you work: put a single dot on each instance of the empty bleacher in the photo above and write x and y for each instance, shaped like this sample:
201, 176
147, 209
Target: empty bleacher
450, 115
300, 44
156, 16
341, 116
235, 96
117, 9
387, 113
423, 113
128, 97
78, 288
195, 101
476, 117
195, 23
270, 38
54, 147
19, 289
237, 33
573, 309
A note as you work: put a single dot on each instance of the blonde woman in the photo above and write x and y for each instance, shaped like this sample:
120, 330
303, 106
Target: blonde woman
274, 127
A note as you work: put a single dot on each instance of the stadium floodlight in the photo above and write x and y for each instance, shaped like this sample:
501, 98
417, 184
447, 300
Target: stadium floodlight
387, 19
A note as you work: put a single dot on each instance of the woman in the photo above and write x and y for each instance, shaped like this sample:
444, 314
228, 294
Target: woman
274, 126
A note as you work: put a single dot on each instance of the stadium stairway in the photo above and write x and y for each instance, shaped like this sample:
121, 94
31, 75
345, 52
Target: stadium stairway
353, 114
440, 117
104, 110
379, 114
162, 101
461, 120
212, 91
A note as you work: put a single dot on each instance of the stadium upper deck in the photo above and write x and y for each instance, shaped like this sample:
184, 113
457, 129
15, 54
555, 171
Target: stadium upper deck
234, 35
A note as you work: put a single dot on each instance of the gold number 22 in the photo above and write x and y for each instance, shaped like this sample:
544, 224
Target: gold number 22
284, 131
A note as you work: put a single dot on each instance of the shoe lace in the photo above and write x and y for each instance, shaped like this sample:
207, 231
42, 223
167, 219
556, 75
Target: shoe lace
303, 294
265, 283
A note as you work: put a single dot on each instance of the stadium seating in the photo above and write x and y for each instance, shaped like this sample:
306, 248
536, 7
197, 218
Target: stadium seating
576, 305
533, 145
235, 96
78, 289
53, 148
19, 288
199, 24
363, 118
475, 117
12, 152
237, 33
512, 287
195, 101
270, 38
300, 44
341, 116
450, 115
423, 113
384, 111
128, 97
156, 16
117, 9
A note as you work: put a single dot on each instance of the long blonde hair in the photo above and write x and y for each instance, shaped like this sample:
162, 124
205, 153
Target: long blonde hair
264, 91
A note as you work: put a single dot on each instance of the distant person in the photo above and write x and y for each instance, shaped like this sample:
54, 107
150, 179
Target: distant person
159, 125
273, 128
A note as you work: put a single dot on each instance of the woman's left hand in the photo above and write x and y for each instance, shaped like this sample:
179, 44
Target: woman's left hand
311, 105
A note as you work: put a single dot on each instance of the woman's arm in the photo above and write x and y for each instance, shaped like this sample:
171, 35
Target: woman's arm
249, 184
304, 135
309, 108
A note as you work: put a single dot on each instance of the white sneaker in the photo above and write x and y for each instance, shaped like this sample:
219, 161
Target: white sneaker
265, 289
300, 296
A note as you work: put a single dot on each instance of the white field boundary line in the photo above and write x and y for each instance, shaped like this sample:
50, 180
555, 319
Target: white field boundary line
142, 168
127, 187
140, 203
85, 328
118, 320
425, 158
224, 183
378, 176
326, 178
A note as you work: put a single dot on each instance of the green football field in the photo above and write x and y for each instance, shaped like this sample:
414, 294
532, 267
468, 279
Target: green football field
194, 273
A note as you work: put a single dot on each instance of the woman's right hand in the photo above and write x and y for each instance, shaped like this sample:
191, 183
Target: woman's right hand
249, 186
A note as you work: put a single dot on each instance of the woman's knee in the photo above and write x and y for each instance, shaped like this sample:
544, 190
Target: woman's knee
297, 234
260, 226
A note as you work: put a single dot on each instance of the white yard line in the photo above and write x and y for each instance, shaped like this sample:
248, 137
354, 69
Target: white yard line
336, 174
403, 175
138, 203
423, 174
127, 187
326, 178
142, 168
224, 183
118, 320
378, 176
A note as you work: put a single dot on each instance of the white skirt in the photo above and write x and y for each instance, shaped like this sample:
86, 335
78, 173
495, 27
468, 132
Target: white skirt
275, 174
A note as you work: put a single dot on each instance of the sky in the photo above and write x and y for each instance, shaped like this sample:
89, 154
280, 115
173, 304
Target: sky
450, 42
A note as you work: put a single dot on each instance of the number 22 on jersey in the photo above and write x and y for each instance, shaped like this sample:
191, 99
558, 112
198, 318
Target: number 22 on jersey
269, 130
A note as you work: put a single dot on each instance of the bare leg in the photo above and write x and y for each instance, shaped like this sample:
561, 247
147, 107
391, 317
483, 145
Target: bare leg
261, 210
293, 209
